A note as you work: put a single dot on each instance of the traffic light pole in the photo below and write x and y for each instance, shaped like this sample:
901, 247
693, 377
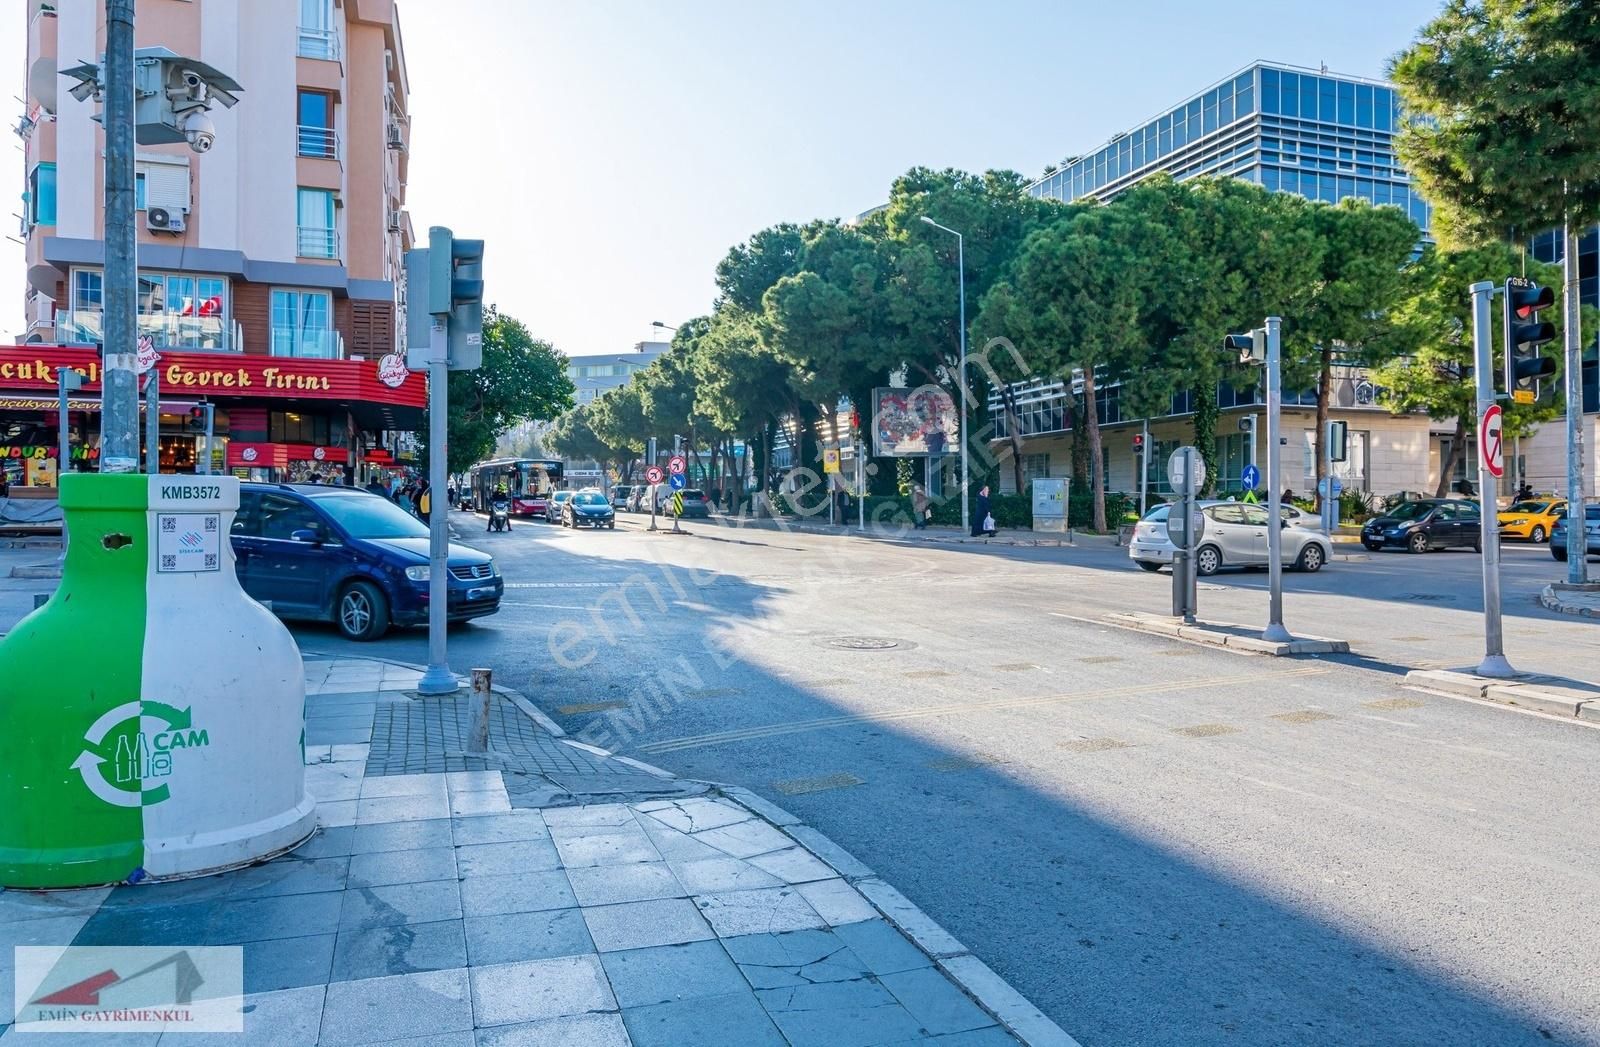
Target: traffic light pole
1494, 656
1275, 630
1577, 523
438, 679
152, 421
119, 393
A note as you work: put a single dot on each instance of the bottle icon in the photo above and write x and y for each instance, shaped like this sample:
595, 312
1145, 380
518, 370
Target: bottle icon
141, 756
124, 760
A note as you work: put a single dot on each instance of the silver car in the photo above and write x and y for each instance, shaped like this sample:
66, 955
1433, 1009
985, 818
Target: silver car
1235, 535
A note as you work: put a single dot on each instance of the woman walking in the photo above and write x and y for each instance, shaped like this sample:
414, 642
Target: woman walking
919, 506
982, 520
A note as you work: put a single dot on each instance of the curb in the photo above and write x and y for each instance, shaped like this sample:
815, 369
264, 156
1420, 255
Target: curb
1550, 598
1228, 636
990, 991
43, 570
1550, 696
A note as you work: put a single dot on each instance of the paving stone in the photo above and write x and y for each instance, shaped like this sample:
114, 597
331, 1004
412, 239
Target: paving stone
494, 859
287, 963
580, 846
516, 892
697, 813
990, 1036
794, 865
291, 874
935, 1001
463, 805
882, 948
836, 902
329, 842
745, 839
268, 919
523, 992
676, 846
285, 1018
512, 937
474, 781
579, 1030
400, 903
641, 977
377, 809
18, 906
613, 815
404, 785
735, 1020
610, 884
708, 875
776, 961
500, 828
838, 1014
389, 867
773, 909
377, 952
402, 836
639, 925
377, 1009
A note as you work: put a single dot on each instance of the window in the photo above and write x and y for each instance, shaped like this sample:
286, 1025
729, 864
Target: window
1364, 105
318, 38
302, 324
281, 517
42, 195
1269, 91
315, 134
1346, 106
317, 238
139, 192
1035, 466
291, 427
183, 310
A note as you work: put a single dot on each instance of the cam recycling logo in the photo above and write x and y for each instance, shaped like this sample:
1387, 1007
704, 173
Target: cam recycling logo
140, 755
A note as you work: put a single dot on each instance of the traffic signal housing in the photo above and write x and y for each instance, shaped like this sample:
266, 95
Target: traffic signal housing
1524, 334
445, 279
200, 418
1251, 346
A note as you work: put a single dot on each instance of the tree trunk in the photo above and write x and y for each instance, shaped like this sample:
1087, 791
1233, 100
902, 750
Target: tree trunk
1008, 401
1080, 442
1447, 464
1324, 392
1097, 476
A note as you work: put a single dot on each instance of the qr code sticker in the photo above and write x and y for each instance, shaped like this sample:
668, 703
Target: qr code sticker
211, 561
169, 562
169, 523
211, 524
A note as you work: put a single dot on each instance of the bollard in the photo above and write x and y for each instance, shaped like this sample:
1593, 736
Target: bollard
478, 730
40, 599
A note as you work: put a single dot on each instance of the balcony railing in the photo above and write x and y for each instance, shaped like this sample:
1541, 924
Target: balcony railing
166, 330
319, 43
322, 142
317, 243
307, 343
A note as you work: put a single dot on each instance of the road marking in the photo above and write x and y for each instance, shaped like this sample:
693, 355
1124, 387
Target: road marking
927, 674
993, 705
952, 764
712, 692
1206, 730
590, 707
1097, 659
801, 786
1092, 745
1303, 716
562, 585
1395, 703
1015, 667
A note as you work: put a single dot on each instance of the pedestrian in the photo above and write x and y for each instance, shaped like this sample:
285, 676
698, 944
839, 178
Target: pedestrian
982, 519
313, 479
5, 483
919, 507
402, 497
376, 486
424, 501
1287, 498
450, 493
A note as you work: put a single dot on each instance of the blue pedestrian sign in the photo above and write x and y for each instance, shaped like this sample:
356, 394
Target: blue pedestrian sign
678, 481
1252, 477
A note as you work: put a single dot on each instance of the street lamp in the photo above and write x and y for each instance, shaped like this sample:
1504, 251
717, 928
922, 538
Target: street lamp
961, 375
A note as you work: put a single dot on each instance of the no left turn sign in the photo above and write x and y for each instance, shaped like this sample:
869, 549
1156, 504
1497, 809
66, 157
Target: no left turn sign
652, 475
676, 465
1491, 442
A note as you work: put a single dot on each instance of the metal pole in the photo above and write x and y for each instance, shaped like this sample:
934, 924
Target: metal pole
1577, 536
1275, 630
1494, 656
63, 445
650, 451
119, 414
478, 724
1144, 466
966, 479
861, 483
1330, 517
211, 428
152, 422
438, 679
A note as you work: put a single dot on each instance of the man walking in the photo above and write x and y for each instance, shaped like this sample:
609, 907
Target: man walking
919, 506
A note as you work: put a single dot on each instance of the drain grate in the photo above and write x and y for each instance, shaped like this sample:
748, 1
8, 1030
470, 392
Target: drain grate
866, 643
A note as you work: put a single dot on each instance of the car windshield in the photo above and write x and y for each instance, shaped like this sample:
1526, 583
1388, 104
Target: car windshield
1529, 507
589, 498
1158, 514
561, 496
1410, 510
364, 516
690, 492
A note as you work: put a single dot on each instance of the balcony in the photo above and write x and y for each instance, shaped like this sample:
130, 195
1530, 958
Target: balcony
166, 330
313, 242
319, 142
318, 43
307, 343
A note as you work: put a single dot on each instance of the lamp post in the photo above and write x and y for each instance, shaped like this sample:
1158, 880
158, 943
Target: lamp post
961, 375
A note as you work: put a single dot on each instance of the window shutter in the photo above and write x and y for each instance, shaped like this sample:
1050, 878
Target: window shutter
166, 184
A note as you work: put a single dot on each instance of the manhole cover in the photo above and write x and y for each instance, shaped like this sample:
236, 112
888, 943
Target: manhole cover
866, 643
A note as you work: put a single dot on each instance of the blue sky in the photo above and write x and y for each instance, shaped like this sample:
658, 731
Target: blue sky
611, 151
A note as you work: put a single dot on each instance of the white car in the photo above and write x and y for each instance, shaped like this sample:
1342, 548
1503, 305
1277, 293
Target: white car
1235, 535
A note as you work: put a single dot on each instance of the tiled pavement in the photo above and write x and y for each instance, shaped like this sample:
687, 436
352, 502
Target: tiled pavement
430, 910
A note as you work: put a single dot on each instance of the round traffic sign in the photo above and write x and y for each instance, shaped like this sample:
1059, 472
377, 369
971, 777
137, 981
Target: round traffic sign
1322, 486
653, 475
1186, 470
676, 465
1251, 477
1492, 440
678, 481
1177, 533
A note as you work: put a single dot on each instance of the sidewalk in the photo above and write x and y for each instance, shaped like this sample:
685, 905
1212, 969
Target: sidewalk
1580, 600
548, 893
937, 534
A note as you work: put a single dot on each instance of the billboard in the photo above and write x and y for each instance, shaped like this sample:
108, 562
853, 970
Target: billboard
912, 423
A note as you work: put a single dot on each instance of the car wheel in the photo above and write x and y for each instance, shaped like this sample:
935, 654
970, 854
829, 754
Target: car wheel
1207, 560
1372, 547
1417, 543
1311, 558
363, 613
1537, 535
1148, 565
611, 525
1559, 554
1477, 546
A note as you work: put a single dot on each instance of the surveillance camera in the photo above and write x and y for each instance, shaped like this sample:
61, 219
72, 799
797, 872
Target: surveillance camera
195, 85
200, 131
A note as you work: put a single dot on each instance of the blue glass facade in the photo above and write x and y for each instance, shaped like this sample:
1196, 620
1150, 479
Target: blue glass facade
1299, 131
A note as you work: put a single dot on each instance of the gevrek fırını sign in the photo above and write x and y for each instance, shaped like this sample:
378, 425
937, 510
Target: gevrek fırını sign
154, 712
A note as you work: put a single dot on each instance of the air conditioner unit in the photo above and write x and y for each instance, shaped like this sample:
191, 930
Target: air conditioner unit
397, 138
394, 221
161, 220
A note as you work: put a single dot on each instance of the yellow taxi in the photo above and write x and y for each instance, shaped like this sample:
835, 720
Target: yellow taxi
1531, 519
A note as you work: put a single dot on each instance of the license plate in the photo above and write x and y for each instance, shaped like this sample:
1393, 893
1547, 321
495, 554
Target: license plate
473, 594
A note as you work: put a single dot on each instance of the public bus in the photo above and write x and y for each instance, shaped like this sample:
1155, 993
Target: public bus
528, 480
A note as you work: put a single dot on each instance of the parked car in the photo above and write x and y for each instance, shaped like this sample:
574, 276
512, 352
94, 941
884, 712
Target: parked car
343, 555
695, 502
619, 496
1531, 520
1429, 523
588, 509
1591, 527
553, 504
1235, 535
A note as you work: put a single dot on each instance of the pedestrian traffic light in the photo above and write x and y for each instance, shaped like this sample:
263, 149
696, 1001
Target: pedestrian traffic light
1338, 441
1251, 346
1138, 442
199, 418
1524, 334
1247, 424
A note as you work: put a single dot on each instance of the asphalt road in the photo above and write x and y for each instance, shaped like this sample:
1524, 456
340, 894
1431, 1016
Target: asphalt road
1157, 843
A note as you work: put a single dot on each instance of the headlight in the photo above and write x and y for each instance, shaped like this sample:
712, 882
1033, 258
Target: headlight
494, 569
417, 574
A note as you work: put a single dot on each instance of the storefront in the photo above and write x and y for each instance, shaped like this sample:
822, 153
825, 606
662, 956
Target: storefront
274, 418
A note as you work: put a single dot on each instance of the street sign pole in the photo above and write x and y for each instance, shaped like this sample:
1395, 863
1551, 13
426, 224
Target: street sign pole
1577, 533
1275, 630
650, 453
1144, 466
438, 679
152, 421
1494, 656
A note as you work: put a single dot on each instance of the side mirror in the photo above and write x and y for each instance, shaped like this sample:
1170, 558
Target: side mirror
305, 534
1284, 525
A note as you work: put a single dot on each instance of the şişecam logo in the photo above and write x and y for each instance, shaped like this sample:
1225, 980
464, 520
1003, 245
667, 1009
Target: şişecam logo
120, 772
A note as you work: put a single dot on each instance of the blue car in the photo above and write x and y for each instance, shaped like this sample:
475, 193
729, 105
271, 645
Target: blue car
1591, 537
345, 555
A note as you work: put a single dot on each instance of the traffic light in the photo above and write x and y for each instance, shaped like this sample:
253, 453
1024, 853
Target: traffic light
446, 279
1138, 442
1338, 441
1524, 334
200, 418
1251, 346
1247, 424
